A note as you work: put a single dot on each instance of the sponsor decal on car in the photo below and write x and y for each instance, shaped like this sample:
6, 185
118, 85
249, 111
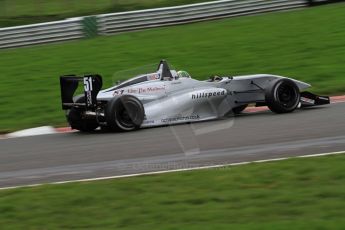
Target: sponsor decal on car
304, 99
154, 76
323, 98
180, 118
151, 89
88, 87
208, 94
148, 122
118, 92
130, 90
155, 89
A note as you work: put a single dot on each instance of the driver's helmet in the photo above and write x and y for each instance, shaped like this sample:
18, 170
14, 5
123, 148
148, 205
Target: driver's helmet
183, 74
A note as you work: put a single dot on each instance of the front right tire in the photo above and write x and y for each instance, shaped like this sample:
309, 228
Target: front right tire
282, 96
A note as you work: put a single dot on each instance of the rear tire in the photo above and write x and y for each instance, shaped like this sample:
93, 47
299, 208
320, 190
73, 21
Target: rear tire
125, 113
282, 96
76, 120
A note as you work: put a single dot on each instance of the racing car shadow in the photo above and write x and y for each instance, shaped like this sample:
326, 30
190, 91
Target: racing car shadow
215, 122
267, 112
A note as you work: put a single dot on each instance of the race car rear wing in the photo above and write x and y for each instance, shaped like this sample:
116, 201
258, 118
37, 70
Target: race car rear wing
69, 84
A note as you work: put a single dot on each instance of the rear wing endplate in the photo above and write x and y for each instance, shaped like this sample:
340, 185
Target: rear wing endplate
69, 83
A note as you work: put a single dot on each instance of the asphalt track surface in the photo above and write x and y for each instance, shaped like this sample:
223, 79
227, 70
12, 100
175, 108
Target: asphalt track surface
248, 137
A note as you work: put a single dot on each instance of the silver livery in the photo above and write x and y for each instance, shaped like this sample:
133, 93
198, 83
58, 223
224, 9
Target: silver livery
168, 96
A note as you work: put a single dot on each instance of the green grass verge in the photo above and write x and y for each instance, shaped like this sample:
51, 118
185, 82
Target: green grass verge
306, 44
291, 194
20, 12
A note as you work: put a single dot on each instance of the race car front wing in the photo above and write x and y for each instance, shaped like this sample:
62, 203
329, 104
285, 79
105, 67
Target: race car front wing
310, 99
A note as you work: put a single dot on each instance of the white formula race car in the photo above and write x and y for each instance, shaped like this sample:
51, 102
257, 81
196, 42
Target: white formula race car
166, 97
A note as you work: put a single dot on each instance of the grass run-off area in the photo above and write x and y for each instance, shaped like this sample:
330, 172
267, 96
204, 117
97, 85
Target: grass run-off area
306, 44
304, 193
20, 12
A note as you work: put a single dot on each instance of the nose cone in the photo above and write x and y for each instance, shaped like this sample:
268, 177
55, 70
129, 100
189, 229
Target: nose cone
301, 85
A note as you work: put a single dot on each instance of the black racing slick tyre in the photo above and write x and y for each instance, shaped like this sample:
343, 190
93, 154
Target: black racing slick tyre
239, 109
282, 96
125, 113
76, 120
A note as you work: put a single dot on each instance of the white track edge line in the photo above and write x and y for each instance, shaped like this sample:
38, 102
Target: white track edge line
173, 170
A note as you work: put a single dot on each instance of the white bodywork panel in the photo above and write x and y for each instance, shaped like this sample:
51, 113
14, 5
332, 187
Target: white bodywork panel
180, 100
